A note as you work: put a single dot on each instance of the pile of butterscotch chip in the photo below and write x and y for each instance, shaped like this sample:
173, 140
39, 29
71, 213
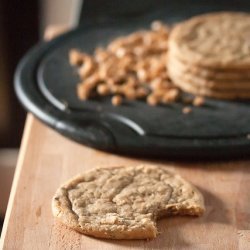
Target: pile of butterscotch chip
130, 67
209, 55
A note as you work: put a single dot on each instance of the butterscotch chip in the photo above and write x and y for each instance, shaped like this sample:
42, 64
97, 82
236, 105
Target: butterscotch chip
198, 101
152, 100
142, 75
88, 66
186, 110
171, 95
116, 100
75, 57
159, 83
124, 202
129, 93
103, 89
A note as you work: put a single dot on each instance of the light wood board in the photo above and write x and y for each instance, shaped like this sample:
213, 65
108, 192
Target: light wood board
47, 159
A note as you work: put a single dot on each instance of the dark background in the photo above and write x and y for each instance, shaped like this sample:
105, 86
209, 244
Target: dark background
19, 30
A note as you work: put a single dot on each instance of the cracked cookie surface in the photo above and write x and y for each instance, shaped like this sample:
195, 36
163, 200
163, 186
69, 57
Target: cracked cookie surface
215, 40
124, 202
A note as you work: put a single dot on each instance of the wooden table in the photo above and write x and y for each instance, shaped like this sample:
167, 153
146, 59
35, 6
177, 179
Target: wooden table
47, 159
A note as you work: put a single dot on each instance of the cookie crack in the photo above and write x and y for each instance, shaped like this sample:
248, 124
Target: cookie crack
71, 205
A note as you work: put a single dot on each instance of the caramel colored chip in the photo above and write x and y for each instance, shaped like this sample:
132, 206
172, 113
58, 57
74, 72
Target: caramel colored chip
116, 100
186, 110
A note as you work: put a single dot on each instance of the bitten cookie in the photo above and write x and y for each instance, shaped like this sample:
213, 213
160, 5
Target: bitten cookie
124, 202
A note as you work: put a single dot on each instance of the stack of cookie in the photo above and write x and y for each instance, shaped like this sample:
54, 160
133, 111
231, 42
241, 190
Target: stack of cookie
209, 55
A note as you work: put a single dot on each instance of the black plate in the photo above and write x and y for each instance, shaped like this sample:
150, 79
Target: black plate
46, 85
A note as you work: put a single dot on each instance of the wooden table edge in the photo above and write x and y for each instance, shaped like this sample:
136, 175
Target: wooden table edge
50, 32
25, 139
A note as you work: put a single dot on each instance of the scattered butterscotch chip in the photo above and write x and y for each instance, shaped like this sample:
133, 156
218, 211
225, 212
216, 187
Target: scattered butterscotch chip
186, 110
82, 92
124, 202
129, 93
198, 101
116, 100
75, 57
142, 75
87, 67
171, 95
103, 89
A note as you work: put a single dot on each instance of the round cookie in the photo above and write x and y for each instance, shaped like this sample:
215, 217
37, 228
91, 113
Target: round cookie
124, 202
218, 40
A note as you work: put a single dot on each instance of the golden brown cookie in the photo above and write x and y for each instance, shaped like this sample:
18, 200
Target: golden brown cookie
124, 202
218, 40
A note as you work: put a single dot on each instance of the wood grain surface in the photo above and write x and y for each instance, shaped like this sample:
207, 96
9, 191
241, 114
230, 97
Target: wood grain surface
47, 159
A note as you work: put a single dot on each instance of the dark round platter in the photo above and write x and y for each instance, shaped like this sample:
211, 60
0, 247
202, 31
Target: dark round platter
45, 84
